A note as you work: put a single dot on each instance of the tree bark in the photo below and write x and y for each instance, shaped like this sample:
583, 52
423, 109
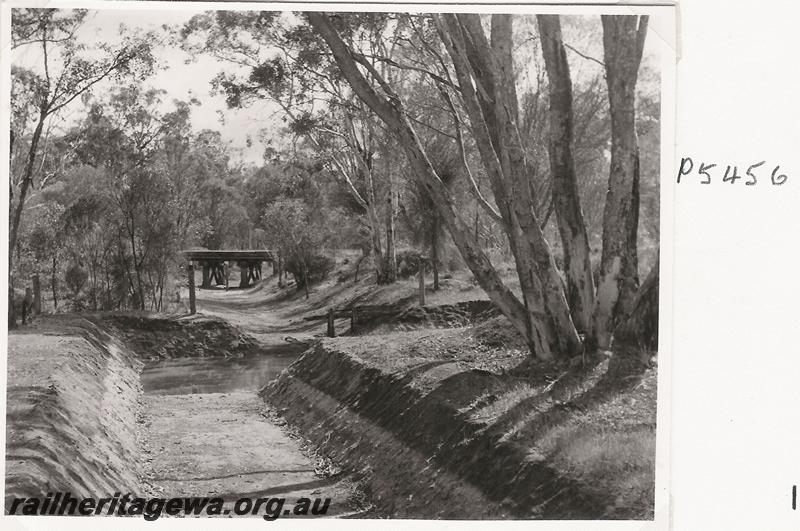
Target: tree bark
53, 283
374, 227
364, 164
618, 283
12, 313
358, 266
137, 262
37, 294
27, 179
421, 279
192, 296
640, 328
435, 252
566, 201
390, 264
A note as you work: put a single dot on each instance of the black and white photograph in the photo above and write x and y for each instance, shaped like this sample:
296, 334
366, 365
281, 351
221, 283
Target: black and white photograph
275, 263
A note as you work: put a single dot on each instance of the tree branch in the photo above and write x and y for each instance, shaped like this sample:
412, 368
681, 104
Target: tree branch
588, 57
641, 34
476, 192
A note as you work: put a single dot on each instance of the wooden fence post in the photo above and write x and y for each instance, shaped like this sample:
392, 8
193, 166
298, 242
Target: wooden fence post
331, 328
422, 284
192, 303
37, 294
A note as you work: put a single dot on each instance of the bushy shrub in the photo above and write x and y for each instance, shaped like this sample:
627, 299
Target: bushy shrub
317, 267
408, 262
78, 303
454, 262
76, 278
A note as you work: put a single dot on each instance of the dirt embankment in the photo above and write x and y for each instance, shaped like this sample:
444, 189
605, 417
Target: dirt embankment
402, 317
72, 409
195, 336
75, 408
438, 424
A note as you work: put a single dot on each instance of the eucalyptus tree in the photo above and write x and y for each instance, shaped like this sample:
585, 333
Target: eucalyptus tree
65, 70
483, 77
623, 45
284, 62
124, 136
566, 200
343, 79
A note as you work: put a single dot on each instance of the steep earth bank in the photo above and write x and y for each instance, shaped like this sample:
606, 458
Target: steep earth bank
72, 407
442, 424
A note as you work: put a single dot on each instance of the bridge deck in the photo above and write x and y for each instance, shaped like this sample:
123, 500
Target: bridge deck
223, 255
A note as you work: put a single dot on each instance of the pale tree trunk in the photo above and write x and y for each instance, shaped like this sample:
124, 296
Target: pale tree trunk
374, 227
531, 320
362, 153
623, 42
435, 251
566, 201
492, 108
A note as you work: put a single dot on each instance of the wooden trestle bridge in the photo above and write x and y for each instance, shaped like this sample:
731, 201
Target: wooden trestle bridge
216, 265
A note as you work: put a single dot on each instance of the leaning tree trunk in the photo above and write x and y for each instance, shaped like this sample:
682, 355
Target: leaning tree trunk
493, 116
363, 256
566, 201
25, 183
623, 42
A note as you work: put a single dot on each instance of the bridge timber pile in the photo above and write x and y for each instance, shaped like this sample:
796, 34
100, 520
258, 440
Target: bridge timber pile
216, 264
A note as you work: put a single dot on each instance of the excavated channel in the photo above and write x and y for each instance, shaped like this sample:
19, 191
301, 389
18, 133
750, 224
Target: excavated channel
216, 374
207, 433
